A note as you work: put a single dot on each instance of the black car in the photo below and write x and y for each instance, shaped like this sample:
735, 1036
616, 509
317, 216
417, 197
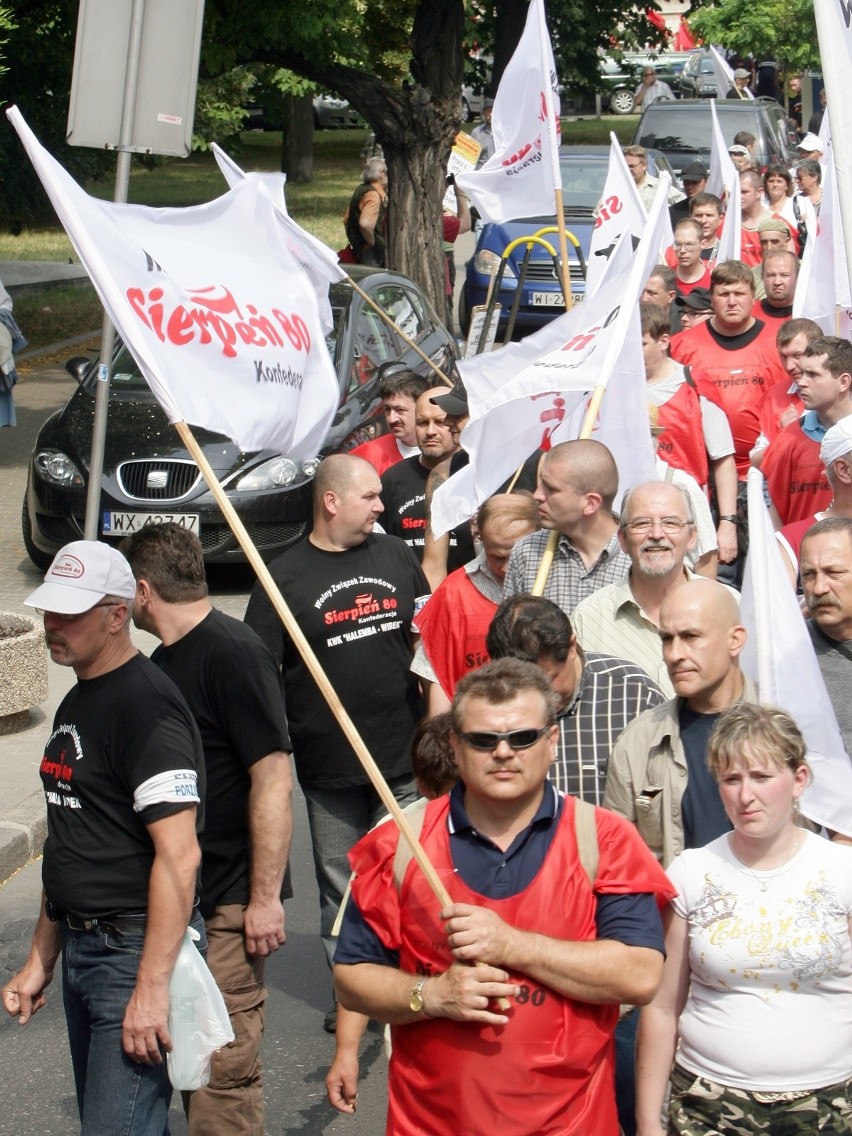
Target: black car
683, 130
619, 80
149, 475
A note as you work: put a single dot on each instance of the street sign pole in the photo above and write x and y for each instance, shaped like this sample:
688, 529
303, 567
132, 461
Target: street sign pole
91, 529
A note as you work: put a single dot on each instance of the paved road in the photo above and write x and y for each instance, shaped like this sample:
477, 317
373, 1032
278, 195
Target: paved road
36, 1093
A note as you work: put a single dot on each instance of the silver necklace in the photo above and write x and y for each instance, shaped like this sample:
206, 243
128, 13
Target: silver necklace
763, 884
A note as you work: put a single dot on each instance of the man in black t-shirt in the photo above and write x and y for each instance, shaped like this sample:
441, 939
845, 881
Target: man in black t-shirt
404, 484
353, 594
233, 688
123, 778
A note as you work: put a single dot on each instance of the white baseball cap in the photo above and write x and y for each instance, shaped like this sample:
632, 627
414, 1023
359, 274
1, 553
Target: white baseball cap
837, 442
81, 574
811, 142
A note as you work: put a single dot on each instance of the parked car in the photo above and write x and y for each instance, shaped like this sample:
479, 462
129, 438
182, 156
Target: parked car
620, 78
698, 80
149, 475
331, 113
584, 170
471, 104
682, 130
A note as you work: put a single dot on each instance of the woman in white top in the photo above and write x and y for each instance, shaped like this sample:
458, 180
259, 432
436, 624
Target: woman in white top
753, 1021
793, 207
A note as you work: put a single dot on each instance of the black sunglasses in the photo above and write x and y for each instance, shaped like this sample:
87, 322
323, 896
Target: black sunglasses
516, 739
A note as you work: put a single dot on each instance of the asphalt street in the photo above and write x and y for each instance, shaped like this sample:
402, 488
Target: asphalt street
36, 1093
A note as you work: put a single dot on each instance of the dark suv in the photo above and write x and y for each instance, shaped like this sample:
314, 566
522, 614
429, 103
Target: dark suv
682, 130
619, 80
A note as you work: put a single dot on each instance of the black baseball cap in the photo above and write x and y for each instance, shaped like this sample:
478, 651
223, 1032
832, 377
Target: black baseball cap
693, 172
698, 300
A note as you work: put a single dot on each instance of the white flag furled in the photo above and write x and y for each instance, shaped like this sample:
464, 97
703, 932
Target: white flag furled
532, 394
619, 210
780, 658
724, 180
315, 258
521, 177
216, 310
834, 29
823, 283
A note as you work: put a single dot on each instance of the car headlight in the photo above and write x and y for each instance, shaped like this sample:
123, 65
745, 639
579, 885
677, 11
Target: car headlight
57, 468
487, 263
277, 473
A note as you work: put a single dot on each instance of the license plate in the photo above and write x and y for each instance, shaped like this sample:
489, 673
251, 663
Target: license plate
554, 299
120, 524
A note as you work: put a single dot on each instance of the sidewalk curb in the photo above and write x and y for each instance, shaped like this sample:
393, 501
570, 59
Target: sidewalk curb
22, 834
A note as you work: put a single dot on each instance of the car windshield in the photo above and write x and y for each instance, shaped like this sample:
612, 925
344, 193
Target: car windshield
671, 130
582, 184
125, 374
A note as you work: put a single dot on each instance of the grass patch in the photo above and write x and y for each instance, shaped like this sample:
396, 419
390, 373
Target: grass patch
61, 313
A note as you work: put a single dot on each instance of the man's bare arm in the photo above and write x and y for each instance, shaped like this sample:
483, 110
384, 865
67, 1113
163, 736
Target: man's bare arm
600, 971
24, 994
271, 829
171, 891
462, 992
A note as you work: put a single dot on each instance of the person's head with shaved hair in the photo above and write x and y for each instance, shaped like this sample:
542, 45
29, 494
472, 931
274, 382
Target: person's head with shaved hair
702, 640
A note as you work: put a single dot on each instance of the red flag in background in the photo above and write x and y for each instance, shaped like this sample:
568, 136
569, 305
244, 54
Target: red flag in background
684, 39
656, 18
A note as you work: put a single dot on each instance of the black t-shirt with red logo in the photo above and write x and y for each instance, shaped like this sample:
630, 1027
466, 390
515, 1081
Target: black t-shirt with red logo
355, 608
404, 499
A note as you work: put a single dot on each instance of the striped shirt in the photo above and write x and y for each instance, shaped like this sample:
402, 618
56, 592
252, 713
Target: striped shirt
569, 580
610, 694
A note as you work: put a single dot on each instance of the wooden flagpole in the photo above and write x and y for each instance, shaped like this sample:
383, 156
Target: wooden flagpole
318, 674
391, 323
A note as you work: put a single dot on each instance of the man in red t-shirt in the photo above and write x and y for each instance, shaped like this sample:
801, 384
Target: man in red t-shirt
783, 404
399, 390
753, 212
792, 465
736, 354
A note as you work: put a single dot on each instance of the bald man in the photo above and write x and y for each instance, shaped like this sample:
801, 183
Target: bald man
353, 593
658, 776
404, 484
577, 485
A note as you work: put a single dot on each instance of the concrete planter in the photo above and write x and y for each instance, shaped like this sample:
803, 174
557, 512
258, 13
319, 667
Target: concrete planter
23, 670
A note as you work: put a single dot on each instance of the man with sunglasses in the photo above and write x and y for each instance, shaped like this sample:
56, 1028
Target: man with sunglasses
123, 778
561, 939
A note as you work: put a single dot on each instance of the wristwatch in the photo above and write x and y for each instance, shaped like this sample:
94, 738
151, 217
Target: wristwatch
732, 517
415, 998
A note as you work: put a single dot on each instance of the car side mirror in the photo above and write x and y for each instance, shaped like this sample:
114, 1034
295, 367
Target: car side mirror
78, 367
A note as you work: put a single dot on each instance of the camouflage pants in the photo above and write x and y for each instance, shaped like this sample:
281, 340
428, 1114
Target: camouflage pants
700, 1107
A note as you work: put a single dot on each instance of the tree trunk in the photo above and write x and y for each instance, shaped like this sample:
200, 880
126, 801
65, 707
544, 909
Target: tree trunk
511, 20
297, 156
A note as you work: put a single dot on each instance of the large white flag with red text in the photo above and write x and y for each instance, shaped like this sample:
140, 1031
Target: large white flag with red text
533, 394
780, 658
521, 177
723, 179
619, 210
215, 308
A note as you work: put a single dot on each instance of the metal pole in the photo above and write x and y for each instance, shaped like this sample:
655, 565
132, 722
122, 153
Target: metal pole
122, 181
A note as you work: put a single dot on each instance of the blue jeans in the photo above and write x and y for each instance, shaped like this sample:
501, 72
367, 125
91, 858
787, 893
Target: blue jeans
338, 818
115, 1095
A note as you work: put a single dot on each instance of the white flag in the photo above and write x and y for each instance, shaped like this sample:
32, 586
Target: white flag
521, 177
535, 395
315, 258
619, 210
216, 310
780, 658
724, 180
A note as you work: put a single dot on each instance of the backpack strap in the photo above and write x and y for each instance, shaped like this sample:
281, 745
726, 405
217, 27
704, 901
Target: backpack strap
415, 815
586, 832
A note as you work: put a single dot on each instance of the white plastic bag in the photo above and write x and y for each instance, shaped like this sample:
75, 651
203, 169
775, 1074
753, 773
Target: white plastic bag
198, 1018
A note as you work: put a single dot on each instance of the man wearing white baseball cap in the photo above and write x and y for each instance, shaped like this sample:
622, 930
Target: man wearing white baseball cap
123, 779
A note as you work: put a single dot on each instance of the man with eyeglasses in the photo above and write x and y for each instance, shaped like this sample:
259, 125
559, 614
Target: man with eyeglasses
658, 777
690, 270
656, 530
562, 918
123, 776
649, 90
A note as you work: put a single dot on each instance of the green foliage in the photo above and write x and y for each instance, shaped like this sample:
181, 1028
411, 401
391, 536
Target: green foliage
784, 30
220, 106
6, 25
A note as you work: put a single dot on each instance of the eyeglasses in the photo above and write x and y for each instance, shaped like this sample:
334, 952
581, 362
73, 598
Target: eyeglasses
671, 526
76, 615
515, 739
685, 246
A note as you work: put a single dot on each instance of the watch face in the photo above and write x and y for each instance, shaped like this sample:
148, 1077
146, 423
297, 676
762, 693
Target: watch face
415, 1001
